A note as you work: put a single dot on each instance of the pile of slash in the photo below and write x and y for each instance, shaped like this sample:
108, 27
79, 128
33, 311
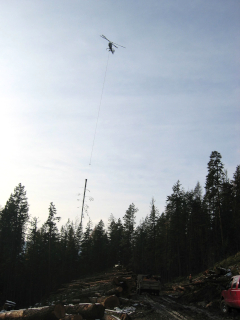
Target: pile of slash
204, 289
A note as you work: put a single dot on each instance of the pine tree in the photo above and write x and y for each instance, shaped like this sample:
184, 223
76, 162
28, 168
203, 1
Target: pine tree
140, 262
197, 230
69, 250
86, 249
213, 187
227, 216
163, 247
34, 263
236, 207
51, 232
13, 221
115, 233
151, 240
128, 232
99, 247
177, 216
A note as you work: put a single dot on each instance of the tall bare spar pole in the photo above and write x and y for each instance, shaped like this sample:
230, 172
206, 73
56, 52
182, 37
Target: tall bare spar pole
83, 199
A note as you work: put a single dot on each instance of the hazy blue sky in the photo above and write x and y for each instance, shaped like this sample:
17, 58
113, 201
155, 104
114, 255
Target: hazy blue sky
170, 99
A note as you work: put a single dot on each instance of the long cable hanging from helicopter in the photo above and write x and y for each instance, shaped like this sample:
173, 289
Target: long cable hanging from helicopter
110, 48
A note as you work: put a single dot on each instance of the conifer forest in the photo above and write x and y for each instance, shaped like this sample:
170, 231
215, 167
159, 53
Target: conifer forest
197, 228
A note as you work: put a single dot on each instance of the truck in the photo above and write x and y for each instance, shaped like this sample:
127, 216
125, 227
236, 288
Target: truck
230, 297
148, 283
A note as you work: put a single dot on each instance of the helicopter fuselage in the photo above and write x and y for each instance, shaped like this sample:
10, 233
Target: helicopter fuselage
110, 47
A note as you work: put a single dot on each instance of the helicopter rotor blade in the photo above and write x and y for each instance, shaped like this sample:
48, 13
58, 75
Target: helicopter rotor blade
114, 45
118, 45
105, 38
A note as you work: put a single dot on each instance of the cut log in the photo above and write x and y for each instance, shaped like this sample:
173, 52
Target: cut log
110, 317
44, 313
59, 311
73, 317
15, 314
101, 299
115, 291
87, 310
111, 302
125, 316
126, 283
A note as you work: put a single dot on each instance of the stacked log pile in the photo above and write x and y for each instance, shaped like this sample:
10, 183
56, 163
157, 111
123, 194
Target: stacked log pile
77, 312
44, 313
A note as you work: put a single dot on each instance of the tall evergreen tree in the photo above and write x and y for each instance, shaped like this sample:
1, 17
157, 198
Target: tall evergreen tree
69, 250
236, 207
227, 215
13, 221
115, 233
140, 262
213, 187
151, 241
197, 231
86, 249
99, 247
128, 232
52, 237
163, 247
35, 263
177, 215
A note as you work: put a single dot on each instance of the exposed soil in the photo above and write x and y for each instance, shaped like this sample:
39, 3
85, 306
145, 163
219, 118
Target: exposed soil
165, 307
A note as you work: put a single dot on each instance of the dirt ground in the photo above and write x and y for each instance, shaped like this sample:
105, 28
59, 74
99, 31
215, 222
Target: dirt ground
165, 307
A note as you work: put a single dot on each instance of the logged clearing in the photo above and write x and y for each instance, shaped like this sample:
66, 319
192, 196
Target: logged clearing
113, 296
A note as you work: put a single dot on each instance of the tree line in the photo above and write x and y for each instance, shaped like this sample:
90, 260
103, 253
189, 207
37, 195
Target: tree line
194, 231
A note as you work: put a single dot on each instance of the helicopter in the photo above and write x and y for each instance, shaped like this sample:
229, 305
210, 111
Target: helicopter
111, 44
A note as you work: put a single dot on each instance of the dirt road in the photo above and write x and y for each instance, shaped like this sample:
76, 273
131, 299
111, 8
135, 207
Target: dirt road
164, 308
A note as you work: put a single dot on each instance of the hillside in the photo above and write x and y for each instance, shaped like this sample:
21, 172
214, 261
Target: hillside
206, 286
115, 292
